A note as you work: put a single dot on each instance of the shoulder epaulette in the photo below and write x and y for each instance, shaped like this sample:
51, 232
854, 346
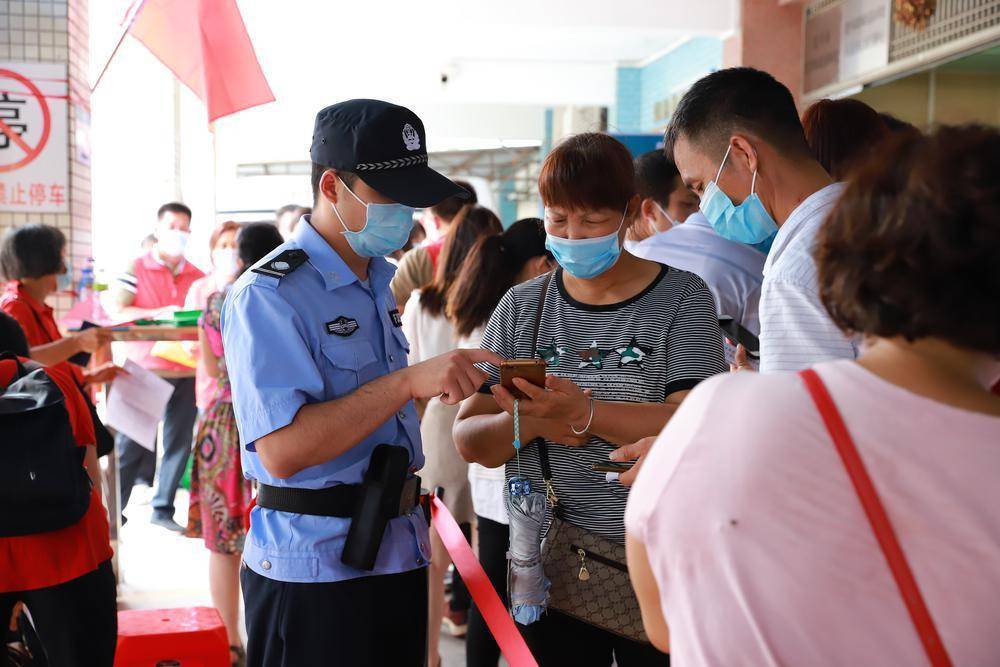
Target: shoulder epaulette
283, 264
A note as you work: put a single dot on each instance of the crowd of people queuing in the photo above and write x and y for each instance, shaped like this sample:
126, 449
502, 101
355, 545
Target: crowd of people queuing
780, 332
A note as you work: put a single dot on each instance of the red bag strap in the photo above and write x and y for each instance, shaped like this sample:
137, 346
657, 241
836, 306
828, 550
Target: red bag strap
879, 520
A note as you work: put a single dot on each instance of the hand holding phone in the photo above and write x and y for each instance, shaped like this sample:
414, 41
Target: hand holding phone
530, 370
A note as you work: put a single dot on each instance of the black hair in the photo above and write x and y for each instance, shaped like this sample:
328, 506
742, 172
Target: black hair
490, 270
348, 177
32, 251
449, 208
738, 99
897, 125
466, 229
174, 207
656, 176
255, 240
12, 338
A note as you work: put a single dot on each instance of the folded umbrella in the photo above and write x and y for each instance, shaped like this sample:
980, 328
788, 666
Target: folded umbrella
526, 581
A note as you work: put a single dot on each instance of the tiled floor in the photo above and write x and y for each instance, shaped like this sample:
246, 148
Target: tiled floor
162, 569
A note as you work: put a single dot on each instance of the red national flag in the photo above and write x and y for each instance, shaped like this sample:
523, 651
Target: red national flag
206, 45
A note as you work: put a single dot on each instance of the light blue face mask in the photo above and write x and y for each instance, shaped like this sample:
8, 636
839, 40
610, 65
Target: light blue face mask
64, 279
748, 223
586, 258
387, 227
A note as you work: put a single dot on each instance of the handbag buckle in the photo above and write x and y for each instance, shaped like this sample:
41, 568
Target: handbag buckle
584, 573
550, 493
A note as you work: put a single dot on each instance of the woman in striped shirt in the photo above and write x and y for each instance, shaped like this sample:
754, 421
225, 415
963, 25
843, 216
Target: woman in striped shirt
624, 340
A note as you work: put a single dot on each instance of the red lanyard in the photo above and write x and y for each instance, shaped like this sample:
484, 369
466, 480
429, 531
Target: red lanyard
879, 521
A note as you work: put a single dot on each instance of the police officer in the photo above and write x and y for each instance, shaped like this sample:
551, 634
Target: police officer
334, 566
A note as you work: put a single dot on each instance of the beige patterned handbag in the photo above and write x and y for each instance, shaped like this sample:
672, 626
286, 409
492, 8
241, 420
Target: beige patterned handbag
589, 575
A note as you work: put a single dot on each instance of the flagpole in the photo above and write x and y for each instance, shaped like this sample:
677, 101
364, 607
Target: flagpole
129, 19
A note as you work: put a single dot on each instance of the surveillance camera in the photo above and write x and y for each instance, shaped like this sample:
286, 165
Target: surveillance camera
444, 78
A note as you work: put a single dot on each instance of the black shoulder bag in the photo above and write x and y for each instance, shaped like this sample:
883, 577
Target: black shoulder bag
589, 574
43, 483
105, 441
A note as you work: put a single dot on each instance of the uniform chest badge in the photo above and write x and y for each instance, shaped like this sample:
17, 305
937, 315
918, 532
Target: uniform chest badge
397, 319
342, 326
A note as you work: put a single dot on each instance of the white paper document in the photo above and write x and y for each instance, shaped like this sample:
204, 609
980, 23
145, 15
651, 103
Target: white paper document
137, 403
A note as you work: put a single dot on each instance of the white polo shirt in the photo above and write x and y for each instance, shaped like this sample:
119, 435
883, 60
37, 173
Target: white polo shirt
732, 271
795, 330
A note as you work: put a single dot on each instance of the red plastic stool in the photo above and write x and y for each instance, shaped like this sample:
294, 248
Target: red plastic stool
184, 637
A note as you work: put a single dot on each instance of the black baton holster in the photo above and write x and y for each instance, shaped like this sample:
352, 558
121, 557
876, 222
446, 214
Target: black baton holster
385, 493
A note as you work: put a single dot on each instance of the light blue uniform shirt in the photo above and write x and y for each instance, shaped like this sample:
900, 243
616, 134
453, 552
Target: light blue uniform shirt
281, 354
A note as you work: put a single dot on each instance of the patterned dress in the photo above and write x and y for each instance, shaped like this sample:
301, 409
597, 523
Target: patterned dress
219, 492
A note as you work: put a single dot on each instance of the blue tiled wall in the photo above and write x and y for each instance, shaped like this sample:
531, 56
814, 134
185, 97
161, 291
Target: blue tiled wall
640, 88
624, 115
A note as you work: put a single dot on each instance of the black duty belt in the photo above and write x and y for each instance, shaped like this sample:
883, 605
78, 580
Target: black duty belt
335, 501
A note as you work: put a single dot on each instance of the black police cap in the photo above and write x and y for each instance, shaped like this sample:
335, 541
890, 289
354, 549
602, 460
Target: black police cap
386, 146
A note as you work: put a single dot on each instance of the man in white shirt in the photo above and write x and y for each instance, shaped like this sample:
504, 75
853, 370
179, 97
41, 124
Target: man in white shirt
739, 145
732, 271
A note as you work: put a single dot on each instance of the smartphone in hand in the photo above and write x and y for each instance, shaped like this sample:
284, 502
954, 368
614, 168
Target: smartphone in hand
611, 466
531, 370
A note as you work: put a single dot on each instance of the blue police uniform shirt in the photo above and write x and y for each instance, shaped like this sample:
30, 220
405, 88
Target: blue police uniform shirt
314, 335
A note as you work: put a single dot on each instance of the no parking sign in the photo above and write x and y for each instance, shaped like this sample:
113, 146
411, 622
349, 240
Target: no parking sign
33, 138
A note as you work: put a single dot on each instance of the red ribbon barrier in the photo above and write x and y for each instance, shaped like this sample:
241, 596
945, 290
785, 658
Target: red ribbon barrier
493, 610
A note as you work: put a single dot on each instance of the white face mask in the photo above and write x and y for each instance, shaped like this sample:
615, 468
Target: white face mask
227, 265
172, 242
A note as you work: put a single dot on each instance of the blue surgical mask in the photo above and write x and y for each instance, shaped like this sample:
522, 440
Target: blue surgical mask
748, 223
387, 228
586, 258
64, 279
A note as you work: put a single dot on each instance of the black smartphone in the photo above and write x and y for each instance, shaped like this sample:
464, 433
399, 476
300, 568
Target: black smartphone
738, 334
611, 466
82, 358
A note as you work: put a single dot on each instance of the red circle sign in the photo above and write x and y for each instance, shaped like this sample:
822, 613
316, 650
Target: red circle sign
30, 152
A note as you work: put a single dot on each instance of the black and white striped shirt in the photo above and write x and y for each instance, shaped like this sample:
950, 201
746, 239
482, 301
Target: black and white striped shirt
664, 339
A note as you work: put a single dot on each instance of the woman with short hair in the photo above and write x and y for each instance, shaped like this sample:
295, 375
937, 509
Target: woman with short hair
33, 261
624, 340
752, 526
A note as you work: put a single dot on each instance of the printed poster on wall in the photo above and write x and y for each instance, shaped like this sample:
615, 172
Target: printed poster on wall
34, 168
